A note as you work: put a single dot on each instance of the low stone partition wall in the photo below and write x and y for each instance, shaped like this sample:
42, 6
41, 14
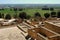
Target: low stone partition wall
35, 35
54, 26
43, 34
31, 23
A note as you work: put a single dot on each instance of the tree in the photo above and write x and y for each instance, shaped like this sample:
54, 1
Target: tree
15, 9
58, 14
20, 9
37, 14
8, 16
46, 15
2, 8
53, 14
52, 9
0, 15
45, 8
28, 17
10, 9
15, 15
22, 15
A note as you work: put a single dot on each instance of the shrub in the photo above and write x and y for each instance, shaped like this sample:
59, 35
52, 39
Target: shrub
8, 16
0, 15
46, 15
20, 9
15, 15
28, 17
58, 14
15, 9
10, 9
37, 14
2, 8
45, 8
52, 9
22, 15
53, 14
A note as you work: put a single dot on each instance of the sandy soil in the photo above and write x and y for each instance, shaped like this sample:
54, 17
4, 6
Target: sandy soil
11, 33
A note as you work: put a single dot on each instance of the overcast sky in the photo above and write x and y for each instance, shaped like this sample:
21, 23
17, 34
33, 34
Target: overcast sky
29, 1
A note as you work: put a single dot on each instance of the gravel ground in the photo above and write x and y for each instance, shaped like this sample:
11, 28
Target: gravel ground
11, 33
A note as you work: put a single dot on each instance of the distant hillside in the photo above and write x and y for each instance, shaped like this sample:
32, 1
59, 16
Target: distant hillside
29, 5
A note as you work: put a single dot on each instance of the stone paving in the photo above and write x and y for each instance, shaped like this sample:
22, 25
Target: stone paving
11, 33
